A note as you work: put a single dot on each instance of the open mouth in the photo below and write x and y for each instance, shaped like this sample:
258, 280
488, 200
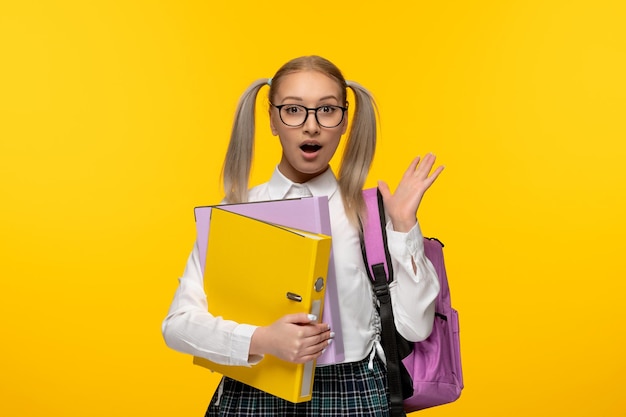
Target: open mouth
310, 148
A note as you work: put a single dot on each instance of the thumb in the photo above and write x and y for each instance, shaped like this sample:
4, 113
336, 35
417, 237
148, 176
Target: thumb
384, 190
301, 318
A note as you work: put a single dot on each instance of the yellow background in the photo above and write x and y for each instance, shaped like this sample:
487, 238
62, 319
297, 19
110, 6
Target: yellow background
114, 118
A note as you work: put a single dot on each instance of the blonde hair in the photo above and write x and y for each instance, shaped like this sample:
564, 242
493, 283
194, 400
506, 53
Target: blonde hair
358, 151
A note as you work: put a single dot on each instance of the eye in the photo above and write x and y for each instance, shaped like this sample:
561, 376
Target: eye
327, 109
292, 109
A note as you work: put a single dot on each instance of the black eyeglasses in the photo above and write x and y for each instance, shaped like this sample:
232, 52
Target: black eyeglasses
295, 115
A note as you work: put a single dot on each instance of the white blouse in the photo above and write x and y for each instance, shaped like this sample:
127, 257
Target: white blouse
190, 328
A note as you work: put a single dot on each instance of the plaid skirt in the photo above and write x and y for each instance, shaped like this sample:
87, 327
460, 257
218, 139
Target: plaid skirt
349, 389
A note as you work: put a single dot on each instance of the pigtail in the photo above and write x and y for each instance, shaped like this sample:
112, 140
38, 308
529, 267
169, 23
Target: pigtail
358, 153
238, 161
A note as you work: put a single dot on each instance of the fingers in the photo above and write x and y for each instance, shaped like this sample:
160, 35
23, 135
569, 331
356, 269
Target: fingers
384, 190
314, 346
421, 172
300, 318
421, 167
299, 338
315, 350
424, 168
308, 347
412, 166
403, 203
426, 165
435, 174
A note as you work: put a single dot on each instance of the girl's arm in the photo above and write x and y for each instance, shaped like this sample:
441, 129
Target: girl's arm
416, 284
190, 328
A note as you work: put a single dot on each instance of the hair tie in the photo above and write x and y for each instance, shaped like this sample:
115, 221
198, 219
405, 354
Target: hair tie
269, 82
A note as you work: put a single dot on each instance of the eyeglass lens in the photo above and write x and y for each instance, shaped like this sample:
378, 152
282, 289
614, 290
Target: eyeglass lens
296, 115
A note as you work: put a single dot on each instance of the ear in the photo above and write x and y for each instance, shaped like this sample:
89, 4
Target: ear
345, 124
273, 123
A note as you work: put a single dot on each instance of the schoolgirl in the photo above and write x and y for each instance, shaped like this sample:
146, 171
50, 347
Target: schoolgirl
308, 110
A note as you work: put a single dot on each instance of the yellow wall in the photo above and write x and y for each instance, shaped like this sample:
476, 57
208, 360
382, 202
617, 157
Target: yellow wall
114, 118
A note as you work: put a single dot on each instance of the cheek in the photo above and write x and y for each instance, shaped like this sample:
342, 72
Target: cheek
333, 145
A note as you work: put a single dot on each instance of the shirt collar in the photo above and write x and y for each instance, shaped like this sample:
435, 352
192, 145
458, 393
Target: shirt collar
324, 184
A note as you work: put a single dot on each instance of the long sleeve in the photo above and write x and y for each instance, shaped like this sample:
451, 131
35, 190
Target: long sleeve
190, 328
413, 292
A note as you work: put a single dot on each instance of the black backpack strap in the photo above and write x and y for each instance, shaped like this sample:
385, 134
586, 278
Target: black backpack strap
378, 264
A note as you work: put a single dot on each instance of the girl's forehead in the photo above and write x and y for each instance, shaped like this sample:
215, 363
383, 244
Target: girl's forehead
308, 85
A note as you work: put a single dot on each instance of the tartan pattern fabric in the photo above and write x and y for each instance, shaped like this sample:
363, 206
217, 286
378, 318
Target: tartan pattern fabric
349, 389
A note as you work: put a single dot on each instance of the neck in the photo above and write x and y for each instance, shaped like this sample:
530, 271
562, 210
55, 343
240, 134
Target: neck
297, 176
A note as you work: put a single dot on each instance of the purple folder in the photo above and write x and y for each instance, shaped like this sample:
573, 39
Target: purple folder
309, 214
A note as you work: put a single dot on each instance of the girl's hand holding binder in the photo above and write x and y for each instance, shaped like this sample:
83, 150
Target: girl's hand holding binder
402, 205
296, 338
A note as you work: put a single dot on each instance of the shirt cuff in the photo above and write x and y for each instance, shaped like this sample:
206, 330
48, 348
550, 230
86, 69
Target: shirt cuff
242, 335
411, 242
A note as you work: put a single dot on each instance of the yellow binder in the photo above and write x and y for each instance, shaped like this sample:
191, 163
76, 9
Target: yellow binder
255, 273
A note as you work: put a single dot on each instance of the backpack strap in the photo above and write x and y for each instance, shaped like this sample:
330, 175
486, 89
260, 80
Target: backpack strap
374, 241
380, 271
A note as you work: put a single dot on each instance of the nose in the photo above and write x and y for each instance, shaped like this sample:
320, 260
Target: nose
310, 124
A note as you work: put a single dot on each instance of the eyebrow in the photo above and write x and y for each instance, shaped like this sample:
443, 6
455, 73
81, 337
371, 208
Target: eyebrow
301, 99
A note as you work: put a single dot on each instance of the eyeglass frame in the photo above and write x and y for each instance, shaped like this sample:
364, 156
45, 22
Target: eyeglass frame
314, 110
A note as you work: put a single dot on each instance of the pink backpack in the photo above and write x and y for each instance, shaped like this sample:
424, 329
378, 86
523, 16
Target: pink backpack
421, 374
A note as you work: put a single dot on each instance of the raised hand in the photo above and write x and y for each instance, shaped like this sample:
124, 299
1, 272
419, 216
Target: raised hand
402, 205
293, 338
